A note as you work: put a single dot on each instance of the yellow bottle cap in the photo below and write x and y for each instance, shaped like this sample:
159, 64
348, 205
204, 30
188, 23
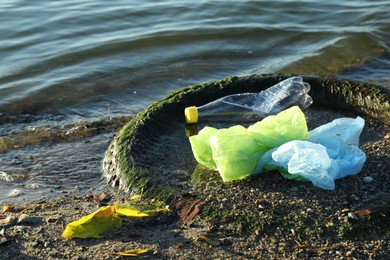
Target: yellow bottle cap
191, 114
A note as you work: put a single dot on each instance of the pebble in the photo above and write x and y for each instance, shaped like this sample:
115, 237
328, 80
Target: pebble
33, 186
6, 177
28, 220
52, 219
368, 179
15, 193
8, 221
21, 229
353, 196
3, 240
352, 216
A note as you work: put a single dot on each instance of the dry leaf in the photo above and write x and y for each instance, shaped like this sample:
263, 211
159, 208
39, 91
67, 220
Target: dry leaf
104, 197
363, 213
190, 210
210, 241
8, 208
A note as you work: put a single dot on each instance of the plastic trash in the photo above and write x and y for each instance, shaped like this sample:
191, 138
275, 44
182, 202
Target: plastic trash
300, 160
235, 151
341, 139
201, 148
331, 152
253, 106
281, 142
275, 130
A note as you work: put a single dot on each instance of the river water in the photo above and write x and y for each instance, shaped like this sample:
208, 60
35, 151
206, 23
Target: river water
72, 72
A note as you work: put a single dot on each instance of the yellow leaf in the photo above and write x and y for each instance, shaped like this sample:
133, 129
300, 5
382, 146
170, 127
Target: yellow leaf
8, 208
93, 225
134, 252
135, 197
131, 210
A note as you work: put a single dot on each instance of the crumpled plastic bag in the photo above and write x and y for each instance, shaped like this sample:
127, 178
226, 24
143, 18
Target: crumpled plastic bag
201, 148
341, 139
281, 142
275, 130
330, 153
235, 151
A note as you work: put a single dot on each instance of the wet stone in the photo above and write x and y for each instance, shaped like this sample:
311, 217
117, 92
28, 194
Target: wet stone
29, 220
3, 240
368, 179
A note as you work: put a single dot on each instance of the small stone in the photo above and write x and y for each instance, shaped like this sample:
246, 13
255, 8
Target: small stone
33, 186
3, 240
14, 193
353, 196
37, 243
8, 221
226, 241
352, 216
6, 177
52, 219
21, 229
28, 220
368, 179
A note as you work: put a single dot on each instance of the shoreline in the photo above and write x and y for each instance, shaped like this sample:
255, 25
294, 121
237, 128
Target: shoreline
321, 218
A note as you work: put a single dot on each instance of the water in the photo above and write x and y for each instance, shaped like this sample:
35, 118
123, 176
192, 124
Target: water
72, 72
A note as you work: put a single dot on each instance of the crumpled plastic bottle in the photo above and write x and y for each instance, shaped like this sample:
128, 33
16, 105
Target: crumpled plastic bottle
253, 106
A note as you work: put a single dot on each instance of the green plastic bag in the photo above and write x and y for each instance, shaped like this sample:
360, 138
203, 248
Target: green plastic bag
276, 130
235, 151
201, 148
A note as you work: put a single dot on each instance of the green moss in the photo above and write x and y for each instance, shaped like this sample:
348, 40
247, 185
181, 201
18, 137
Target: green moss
127, 160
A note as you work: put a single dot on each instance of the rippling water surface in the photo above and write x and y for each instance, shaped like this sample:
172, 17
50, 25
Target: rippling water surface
72, 72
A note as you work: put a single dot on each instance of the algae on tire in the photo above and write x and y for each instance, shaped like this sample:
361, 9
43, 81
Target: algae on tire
130, 166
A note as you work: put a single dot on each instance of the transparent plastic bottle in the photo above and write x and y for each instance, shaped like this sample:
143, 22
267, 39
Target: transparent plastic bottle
253, 106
